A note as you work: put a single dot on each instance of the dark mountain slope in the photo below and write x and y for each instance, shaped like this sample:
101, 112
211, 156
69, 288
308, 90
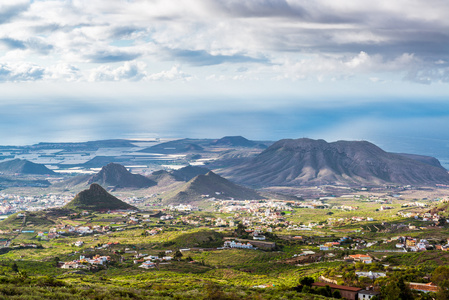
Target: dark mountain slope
212, 185
177, 146
22, 166
188, 173
235, 141
314, 162
96, 199
118, 176
424, 159
161, 175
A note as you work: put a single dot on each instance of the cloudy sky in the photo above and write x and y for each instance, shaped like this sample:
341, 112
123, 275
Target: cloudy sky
266, 69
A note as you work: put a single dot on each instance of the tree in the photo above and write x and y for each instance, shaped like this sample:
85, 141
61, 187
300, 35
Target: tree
336, 294
406, 292
392, 291
306, 281
161, 254
56, 260
178, 255
14, 267
322, 291
240, 230
440, 274
443, 290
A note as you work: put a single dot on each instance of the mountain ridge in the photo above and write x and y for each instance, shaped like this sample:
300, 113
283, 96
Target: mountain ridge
23, 166
118, 176
211, 185
305, 161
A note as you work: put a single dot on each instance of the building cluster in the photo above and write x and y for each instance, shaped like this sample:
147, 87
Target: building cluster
423, 216
415, 204
413, 244
340, 221
136, 200
85, 263
183, 208
11, 203
265, 219
238, 245
150, 261
363, 258
329, 245
346, 207
312, 204
349, 292
252, 206
154, 231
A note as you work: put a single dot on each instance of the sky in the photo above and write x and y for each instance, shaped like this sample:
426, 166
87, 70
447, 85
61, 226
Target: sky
266, 69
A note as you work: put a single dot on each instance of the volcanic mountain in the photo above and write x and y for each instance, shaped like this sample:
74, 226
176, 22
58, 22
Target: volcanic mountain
235, 141
188, 173
165, 178
177, 146
118, 176
23, 166
315, 162
211, 185
97, 199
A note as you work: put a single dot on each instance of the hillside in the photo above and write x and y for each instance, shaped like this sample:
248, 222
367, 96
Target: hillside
27, 219
162, 177
188, 173
178, 146
211, 185
22, 166
424, 159
236, 141
316, 162
118, 176
97, 199
12, 181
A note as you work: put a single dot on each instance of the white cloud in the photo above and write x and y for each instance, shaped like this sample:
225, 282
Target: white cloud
173, 74
130, 71
63, 72
18, 72
316, 39
344, 66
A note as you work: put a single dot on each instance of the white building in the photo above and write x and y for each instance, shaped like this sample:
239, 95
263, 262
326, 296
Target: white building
233, 244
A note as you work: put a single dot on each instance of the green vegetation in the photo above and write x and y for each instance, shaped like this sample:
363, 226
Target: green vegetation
41, 242
96, 199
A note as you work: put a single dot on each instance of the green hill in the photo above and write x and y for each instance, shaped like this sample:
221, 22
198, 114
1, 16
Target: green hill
97, 199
